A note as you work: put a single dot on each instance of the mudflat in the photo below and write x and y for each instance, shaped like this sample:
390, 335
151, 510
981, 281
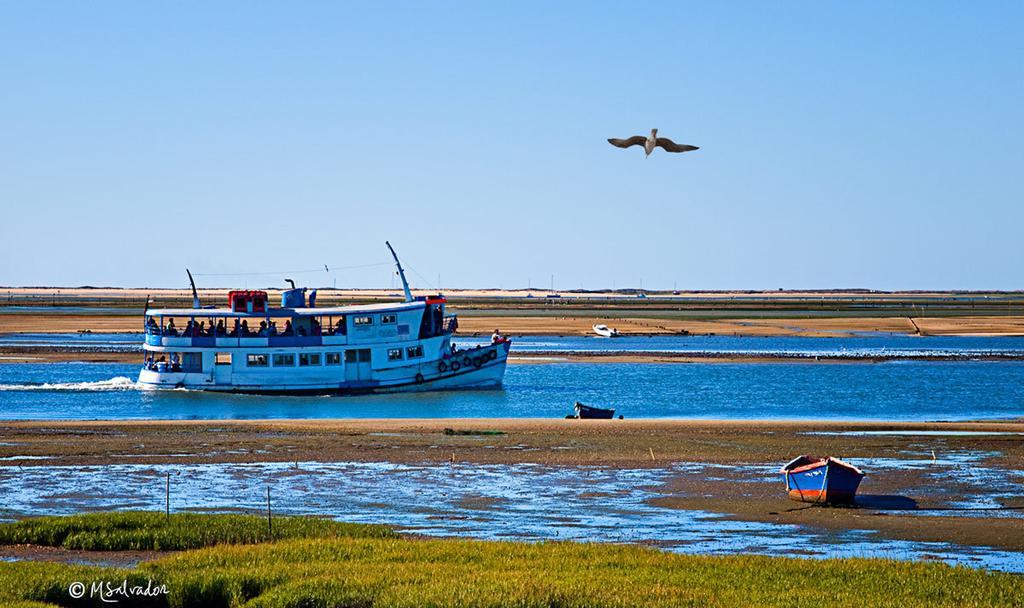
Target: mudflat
726, 467
478, 323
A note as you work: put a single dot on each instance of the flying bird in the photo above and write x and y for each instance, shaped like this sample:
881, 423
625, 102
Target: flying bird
650, 142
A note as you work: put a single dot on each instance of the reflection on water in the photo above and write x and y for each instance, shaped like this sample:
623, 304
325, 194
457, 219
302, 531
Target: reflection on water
522, 501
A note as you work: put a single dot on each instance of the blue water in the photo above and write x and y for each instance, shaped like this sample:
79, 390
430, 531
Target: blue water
897, 390
865, 344
871, 344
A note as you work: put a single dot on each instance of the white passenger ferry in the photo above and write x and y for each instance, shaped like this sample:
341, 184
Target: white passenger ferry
298, 348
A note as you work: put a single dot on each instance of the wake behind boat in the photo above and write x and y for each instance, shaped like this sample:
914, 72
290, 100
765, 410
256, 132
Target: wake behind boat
300, 349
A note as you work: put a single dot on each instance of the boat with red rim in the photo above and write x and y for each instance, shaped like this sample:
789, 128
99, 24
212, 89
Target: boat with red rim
821, 480
251, 346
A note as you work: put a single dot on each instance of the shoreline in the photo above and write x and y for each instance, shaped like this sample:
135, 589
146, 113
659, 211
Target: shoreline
553, 322
597, 442
45, 354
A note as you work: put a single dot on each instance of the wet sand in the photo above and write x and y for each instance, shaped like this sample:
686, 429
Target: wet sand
481, 323
503, 441
113, 559
923, 501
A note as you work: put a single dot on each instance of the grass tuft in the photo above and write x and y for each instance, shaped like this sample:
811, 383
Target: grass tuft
151, 531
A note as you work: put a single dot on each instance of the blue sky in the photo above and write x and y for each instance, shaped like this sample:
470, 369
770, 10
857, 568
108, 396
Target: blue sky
871, 144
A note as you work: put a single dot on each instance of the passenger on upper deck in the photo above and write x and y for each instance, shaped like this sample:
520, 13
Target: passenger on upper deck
314, 327
235, 330
244, 331
221, 330
171, 330
264, 332
339, 328
496, 337
288, 329
273, 328
151, 326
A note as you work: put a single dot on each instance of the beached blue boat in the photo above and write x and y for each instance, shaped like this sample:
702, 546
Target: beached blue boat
591, 412
821, 480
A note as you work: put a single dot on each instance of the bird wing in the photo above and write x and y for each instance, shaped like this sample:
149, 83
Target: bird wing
670, 146
636, 140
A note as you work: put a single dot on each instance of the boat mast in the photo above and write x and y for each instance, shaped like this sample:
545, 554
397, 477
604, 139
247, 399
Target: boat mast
195, 294
401, 272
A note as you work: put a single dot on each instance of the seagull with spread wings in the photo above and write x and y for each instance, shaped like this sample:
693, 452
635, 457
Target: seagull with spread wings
650, 142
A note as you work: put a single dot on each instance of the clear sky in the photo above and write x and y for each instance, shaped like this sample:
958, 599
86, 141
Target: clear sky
868, 144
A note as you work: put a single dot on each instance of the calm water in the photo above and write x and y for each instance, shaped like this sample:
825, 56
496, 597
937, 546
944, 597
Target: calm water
864, 345
898, 390
861, 345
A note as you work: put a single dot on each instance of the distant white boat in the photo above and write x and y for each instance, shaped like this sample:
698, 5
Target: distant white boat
607, 332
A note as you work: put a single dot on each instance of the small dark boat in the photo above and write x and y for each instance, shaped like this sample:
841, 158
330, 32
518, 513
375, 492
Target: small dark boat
589, 411
821, 480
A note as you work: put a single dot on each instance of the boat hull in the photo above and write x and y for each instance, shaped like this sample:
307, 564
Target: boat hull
830, 481
589, 412
486, 370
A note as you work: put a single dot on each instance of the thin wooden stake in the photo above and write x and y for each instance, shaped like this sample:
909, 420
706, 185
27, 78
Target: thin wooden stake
652, 454
270, 523
167, 496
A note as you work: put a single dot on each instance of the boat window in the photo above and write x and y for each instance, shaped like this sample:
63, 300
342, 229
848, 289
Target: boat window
192, 362
284, 360
333, 358
414, 352
309, 359
388, 319
364, 355
394, 354
350, 356
362, 320
256, 360
223, 358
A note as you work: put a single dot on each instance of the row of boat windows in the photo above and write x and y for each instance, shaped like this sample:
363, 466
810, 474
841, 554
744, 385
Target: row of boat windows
355, 355
303, 326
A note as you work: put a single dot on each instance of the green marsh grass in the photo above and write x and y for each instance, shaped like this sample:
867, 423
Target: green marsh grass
338, 570
147, 530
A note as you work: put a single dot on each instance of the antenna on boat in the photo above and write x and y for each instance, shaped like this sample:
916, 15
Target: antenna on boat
195, 294
292, 283
401, 273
